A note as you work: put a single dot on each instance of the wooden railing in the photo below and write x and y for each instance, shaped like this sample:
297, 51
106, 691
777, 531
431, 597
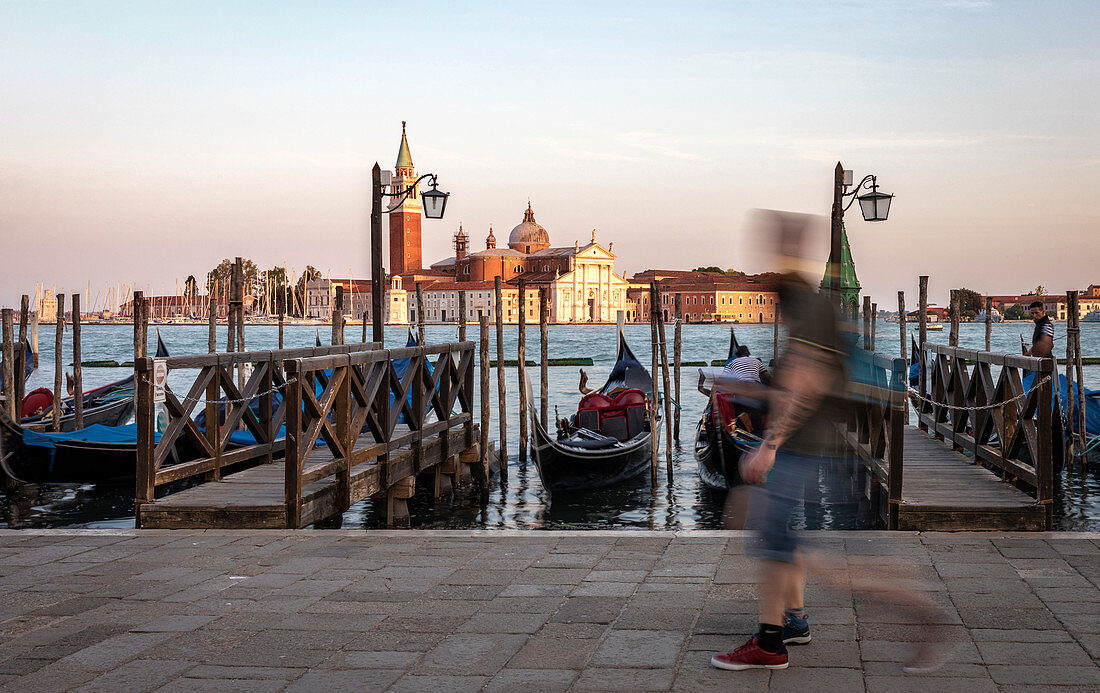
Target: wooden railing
875, 425
364, 412
1000, 422
185, 450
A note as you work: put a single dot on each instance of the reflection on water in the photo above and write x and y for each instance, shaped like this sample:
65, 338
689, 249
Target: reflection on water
836, 502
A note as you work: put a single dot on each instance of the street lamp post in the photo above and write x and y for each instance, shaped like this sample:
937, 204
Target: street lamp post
435, 203
874, 205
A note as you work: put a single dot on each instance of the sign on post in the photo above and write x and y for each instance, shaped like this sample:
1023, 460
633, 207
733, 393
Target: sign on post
160, 380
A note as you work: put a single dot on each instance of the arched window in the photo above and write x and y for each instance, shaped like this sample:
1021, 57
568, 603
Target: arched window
519, 269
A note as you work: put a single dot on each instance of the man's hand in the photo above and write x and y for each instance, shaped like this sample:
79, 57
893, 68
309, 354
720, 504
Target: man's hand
757, 464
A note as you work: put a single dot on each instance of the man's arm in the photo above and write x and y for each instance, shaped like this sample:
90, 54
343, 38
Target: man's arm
1043, 347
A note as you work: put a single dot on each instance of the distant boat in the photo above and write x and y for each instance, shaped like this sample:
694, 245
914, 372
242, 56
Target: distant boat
996, 317
1092, 316
934, 327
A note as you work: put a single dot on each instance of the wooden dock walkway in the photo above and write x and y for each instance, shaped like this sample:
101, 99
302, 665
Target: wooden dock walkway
946, 490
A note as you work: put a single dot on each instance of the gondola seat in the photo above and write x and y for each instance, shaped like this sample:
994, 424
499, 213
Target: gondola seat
621, 418
730, 407
36, 402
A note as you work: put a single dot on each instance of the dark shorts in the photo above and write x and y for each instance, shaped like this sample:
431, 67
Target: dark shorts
772, 506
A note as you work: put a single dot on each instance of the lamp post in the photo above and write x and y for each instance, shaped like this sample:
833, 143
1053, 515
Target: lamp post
875, 206
434, 201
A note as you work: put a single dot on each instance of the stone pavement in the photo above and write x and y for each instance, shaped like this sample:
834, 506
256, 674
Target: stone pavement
530, 611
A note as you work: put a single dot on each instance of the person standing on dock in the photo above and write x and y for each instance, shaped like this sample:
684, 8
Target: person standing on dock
1042, 339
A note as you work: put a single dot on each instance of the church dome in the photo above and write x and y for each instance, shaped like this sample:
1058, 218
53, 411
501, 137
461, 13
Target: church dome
528, 236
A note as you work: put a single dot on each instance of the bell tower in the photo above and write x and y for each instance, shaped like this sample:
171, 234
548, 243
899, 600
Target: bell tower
461, 244
405, 245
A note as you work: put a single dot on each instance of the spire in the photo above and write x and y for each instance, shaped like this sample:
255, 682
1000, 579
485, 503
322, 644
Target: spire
529, 215
491, 241
849, 282
404, 158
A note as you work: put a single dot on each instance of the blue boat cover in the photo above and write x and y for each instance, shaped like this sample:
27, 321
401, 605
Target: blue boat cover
1092, 403
96, 433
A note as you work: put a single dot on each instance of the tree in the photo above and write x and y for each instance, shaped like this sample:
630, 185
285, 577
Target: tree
276, 292
218, 278
1015, 312
309, 274
711, 268
190, 286
970, 303
1039, 290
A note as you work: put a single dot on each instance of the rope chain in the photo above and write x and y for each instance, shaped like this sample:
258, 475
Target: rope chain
915, 394
275, 390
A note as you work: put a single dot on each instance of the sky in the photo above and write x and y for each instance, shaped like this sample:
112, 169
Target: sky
144, 141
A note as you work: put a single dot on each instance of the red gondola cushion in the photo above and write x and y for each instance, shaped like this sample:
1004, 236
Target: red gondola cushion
36, 402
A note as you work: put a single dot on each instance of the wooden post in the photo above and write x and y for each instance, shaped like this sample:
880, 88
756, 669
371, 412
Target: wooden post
139, 300
338, 318
292, 470
78, 377
238, 302
1044, 465
1071, 300
502, 400
58, 363
874, 323
9, 365
655, 439
483, 363
145, 420
420, 312
521, 365
364, 340
922, 335
667, 390
1074, 316
377, 274
867, 323
989, 323
231, 314
953, 337
20, 362
282, 318
33, 335
677, 349
544, 354
901, 328
461, 315
212, 325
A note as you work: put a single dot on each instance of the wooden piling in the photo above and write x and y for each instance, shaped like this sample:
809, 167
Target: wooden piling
1071, 300
364, 339
483, 363
901, 325
677, 348
20, 362
58, 358
32, 334
502, 395
953, 336
420, 312
1074, 314
238, 303
461, 316
874, 324
667, 390
139, 338
78, 377
521, 367
338, 318
922, 334
988, 324
867, 322
655, 439
544, 354
10, 406
283, 317
212, 326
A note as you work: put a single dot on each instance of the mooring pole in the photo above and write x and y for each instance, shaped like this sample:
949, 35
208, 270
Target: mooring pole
544, 354
874, 323
867, 323
922, 334
377, 275
20, 360
953, 336
901, 324
502, 395
667, 390
654, 436
988, 324
420, 312
11, 407
78, 374
677, 348
483, 364
461, 315
521, 365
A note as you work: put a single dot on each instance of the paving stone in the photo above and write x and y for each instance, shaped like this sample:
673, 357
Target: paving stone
113, 651
651, 618
925, 683
963, 652
531, 681
797, 680
1018, 635
211, 671
395, 640
138, 675
639, 648
1043, 674
435, 684
589, 610
624, 680
503, 623
355, 659
1050, 654
1005, 617
469, 654
173, 623
548, 652
55, 677
350, 680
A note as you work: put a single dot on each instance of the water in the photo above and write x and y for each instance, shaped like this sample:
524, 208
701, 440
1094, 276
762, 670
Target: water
522, 502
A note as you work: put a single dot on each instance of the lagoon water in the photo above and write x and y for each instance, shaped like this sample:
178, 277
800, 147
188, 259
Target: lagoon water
522, 502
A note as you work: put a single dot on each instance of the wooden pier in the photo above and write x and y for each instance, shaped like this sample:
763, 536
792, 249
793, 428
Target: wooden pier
322, 430
921, 479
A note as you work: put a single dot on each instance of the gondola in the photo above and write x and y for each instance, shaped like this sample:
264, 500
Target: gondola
99, 452
607, 441
723, 433
109, 405
30, 363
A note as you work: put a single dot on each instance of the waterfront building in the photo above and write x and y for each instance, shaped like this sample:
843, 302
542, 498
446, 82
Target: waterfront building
405, 238
47, 308
706, 296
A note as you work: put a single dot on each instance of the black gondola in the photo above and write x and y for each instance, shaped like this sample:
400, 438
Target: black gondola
110, 453
607, 441
721, 438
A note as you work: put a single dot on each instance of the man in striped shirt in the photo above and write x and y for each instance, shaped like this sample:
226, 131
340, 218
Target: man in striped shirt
1042, 340
746, 368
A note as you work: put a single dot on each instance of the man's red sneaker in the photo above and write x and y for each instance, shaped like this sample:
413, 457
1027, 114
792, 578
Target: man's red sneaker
751, 656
